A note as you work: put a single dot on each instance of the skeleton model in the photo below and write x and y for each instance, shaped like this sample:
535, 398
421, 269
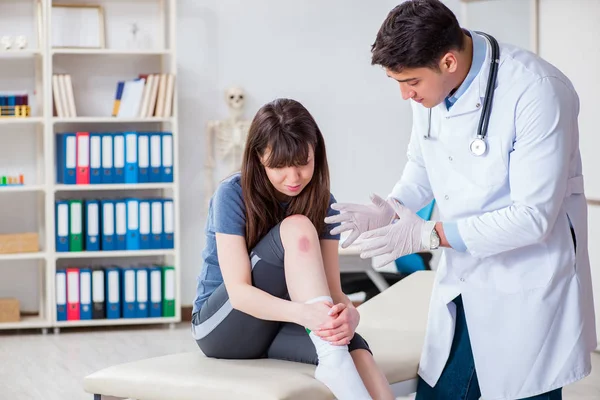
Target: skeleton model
225, 142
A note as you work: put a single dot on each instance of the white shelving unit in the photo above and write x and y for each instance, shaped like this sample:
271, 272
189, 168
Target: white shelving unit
95, 73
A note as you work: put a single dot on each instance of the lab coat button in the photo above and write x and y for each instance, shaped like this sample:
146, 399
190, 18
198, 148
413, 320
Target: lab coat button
478, 105
450, 158
447, 197
462, 279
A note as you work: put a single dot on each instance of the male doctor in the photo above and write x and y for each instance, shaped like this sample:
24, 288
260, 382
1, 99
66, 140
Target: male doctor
511, 313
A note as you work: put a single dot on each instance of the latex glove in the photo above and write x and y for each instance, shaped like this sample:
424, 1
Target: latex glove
403, 237
359, 218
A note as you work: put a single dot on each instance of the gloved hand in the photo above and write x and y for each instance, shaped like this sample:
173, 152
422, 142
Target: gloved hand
359, 218
398, 239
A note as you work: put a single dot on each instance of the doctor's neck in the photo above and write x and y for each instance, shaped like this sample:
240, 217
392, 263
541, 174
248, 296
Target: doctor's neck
464, 59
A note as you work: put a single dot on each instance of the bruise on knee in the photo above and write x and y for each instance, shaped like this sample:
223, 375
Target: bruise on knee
304, 243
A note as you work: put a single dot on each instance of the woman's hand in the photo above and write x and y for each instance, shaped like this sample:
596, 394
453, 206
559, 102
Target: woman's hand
341, 330
316, 315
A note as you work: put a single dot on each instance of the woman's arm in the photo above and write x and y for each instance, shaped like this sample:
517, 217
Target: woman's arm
236, 270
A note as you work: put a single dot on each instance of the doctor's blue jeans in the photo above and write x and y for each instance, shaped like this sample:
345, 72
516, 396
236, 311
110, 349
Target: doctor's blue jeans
459, 378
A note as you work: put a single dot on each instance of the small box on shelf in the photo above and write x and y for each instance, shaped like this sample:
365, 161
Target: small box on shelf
9, 310
19, 243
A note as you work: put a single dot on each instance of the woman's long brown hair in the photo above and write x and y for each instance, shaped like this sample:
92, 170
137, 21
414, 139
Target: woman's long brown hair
288, 130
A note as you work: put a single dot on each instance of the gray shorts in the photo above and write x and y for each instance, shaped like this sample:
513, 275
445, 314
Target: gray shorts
222, 332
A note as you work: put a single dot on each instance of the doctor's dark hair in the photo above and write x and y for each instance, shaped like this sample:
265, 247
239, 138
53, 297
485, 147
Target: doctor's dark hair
287, 130
416, 34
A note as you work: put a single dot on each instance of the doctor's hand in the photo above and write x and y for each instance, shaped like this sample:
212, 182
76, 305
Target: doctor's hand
396, 240
341, 330
358, 218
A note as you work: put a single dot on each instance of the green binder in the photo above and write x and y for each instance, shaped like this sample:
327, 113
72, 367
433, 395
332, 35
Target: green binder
168, 291
76, 225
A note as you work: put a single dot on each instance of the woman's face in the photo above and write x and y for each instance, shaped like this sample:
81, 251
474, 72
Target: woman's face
291, 180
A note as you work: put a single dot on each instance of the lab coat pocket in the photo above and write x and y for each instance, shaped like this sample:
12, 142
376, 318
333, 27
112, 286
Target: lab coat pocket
487, 170
522, 269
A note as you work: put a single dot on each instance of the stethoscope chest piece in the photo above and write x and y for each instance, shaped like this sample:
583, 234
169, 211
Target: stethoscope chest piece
478, 146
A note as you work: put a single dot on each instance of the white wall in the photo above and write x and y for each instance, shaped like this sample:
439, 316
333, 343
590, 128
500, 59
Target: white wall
573, 47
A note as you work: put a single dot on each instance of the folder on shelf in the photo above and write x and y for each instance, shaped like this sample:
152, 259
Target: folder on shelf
76, 225
128, 285
62, 226
167, 157
133, 225
95, 158
155, 158
145, 237
160, 98
57, 97
119, 158
66, 158
168, 224
107, 158
120, 225
69, 96
131, 100
155, 289
141, 281
98, 308
108, 225
131, 157
143, 157
155, 80
113, 298
62, 82
72, 294
61, 295
156, 210
168, 280
118, 96
85, 293
83, 158
169, 95
143, 113
92, 225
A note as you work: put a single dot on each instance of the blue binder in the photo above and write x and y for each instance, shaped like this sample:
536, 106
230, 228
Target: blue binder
167, 157
128, 291
155, 291
145, 225
168, 224
156, 231
92, 225
62, 226
66, 158
61, 295
85, 293
113, 298
155, 157
143, 157
95, 158
131, 157
141, 292
133, 225
107, 158
118, 158
107, 209
120, 225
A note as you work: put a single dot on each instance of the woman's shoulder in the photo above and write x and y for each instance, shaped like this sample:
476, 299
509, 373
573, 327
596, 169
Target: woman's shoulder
230, 188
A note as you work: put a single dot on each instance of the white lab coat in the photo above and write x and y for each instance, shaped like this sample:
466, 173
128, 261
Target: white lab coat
527, 295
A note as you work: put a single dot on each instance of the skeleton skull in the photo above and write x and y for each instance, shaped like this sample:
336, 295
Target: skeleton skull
235, 98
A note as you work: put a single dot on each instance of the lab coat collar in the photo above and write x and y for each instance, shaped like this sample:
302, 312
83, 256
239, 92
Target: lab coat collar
472, 99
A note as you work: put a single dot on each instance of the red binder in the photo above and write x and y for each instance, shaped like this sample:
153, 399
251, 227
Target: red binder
82, 176
72, 294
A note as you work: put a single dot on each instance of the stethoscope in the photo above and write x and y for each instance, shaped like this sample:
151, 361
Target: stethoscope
478, 146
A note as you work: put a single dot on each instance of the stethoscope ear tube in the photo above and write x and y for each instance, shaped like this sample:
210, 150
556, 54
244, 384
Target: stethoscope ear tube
491, 84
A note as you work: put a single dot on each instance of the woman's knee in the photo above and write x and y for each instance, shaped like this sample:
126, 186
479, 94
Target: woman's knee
298, 230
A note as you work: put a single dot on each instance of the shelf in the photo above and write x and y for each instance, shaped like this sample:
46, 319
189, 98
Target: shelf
21, 189
21, 120
116, 52
124, 186
102, 120
26, 323
119, 321
26, 53
22, 256
118, 253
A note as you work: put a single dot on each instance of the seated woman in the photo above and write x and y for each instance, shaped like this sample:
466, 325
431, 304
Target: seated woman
270, 280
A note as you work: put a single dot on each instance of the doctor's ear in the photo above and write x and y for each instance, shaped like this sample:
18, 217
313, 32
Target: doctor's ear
448, 63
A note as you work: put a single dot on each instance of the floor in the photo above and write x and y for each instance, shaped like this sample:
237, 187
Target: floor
51, 367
